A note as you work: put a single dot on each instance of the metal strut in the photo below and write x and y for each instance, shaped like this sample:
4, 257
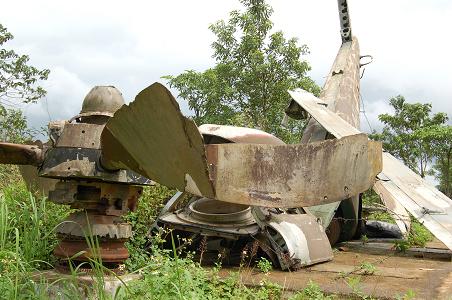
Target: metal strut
344, 18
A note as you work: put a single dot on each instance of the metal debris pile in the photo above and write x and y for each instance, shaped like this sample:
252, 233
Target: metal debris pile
248, 189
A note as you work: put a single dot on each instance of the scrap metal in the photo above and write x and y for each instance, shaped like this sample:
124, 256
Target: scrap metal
254, 174
68, 170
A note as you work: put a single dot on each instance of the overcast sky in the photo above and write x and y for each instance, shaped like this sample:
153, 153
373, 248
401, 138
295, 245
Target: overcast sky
131, 44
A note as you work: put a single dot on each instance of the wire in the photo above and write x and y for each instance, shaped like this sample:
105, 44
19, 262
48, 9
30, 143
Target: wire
364, 112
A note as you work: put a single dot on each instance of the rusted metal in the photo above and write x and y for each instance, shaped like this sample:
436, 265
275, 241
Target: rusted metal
298, 239
164, 145
219, 212
81, 224
341, 95
80, 135
70, 163
109, 251
294, 175
330, 121
19, 154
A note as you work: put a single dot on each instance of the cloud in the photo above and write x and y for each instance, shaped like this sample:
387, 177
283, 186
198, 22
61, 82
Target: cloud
131, 45
65, 93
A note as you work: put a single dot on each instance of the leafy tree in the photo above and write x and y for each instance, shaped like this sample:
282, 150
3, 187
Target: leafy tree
254, 69
18, 84
409, 132
440, 139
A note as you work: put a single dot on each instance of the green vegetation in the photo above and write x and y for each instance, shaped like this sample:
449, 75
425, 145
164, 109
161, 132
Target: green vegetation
418, 137
254, 69
27, 239
311, 292
18, 84
264, 265
368, 268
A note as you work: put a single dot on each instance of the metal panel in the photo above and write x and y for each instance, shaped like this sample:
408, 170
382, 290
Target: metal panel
153, 138
19, 154
240, 134
294, 175
172, 153
316, 107
431, 207
397, 211
81, 135
342, 96
297, 239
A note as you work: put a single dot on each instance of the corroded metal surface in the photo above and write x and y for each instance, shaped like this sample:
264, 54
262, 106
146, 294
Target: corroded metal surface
81, 135
341, 95
80, 224
219, 212
111, 251
84, 164
294, 175
19, 154
431, 207
163, 145
239, 134
332, 122
297, 239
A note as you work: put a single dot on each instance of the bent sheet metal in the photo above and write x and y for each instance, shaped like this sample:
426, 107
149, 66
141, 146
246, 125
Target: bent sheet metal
398, 186
168, 148
431, 207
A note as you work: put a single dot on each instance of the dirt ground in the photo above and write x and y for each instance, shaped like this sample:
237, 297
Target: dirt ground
371, 269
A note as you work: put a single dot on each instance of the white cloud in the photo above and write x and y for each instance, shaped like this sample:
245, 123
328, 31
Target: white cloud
131, 45
65, 93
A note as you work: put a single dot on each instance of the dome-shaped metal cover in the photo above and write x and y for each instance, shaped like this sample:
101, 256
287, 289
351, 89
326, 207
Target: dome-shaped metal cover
101, 101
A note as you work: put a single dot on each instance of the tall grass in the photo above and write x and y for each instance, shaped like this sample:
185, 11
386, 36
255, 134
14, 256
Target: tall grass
26, 240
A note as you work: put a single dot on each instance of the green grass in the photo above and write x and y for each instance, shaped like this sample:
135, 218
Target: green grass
418, 236
27, 239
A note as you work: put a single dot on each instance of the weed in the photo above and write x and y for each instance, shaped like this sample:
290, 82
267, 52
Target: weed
419, 235
410, 294
264, 265
401, 245
368, 268
364, 239
312, 291
354, 282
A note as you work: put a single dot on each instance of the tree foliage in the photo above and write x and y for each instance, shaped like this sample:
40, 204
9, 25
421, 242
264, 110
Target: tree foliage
18, 84
420, 138
440, 139
408, 133
254, 69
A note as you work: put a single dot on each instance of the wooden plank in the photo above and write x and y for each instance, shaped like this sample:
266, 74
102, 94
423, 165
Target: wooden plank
421, 199
316, 107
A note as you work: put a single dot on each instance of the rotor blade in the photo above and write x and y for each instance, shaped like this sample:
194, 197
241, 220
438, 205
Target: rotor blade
294, 175
19, 154
152, 137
